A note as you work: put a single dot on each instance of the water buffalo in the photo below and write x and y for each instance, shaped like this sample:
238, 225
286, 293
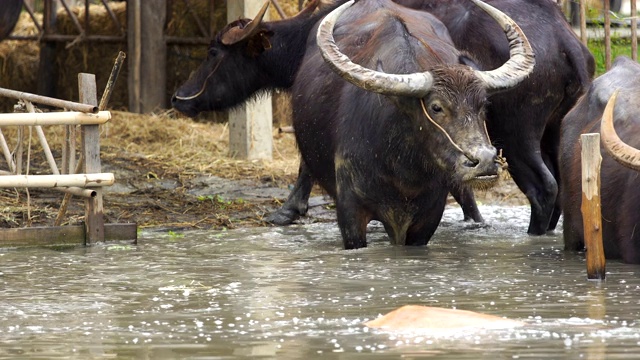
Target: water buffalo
9, 15
387, 144
620, 198
246, 59
525, 121
250, 57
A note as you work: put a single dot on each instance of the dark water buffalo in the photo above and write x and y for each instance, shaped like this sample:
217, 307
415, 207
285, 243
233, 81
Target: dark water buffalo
525, 122
9, 15
266, 43
250, 57
390, 147
620, 186
246, 59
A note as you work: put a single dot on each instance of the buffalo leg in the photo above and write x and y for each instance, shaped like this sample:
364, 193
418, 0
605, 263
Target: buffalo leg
352, 220
353, 226
557, 209
550, 146
297, 203
466, 199
535, 180
426, 223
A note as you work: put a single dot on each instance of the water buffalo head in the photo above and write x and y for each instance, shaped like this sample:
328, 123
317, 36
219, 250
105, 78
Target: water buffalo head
214, 85
246, 58
446, 102
621, 152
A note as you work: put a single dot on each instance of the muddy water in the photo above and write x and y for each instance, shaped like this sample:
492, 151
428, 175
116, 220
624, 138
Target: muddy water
293, 293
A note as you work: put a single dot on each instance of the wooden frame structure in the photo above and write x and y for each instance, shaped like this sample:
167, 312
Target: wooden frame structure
88, 184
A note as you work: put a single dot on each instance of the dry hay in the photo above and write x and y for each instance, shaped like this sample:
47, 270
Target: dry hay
176, 144
188, 147
19, 62
94, 58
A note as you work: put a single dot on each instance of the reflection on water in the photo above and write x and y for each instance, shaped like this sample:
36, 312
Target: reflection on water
293, 292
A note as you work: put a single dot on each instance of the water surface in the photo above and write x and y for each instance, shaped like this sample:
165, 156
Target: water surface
294, 293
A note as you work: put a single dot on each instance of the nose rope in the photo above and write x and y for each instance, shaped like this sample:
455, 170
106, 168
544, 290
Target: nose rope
424, 110
500, 160
204, 83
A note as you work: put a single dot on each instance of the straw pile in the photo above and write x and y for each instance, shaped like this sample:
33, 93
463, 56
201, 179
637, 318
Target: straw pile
19, 62
183, 146
93, 58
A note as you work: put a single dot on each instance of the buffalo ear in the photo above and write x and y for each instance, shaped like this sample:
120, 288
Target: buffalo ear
259, 43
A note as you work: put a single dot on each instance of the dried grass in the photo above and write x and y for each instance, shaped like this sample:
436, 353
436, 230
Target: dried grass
187, 147
19, 62
176, 144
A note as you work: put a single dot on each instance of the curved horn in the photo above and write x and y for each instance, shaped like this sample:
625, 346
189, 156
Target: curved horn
621, 152
521, 57
237, 34
416, 85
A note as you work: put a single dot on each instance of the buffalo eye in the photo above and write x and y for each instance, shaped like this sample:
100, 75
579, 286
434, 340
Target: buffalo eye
436, 108
213, 52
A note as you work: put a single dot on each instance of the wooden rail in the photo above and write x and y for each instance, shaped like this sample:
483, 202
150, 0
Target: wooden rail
87, 184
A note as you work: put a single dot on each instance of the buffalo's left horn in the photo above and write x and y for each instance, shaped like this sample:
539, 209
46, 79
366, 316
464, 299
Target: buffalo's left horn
417, 84
621, 152
521, 57
237, 34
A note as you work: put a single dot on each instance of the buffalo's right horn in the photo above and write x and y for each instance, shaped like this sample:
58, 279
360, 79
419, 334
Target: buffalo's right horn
237, 34
416, 85
621, 152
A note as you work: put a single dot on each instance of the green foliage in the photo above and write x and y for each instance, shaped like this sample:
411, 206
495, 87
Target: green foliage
174, 235
619, 46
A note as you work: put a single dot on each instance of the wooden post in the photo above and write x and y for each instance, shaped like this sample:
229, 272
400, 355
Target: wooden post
583, 22
47, 74
251, 125
147, 49
591, 214
94, 213
634, 30
607, 34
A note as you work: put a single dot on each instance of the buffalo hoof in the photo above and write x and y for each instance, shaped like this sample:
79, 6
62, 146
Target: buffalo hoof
474, 216
426, 318
282, 217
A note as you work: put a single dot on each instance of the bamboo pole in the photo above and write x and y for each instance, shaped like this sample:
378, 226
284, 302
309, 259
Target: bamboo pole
108, 90
7, 153
279, 9
607, 34
634, 30
45, 100
591, 213
583, 22
55, 118
88, 193
54, 181
104, 100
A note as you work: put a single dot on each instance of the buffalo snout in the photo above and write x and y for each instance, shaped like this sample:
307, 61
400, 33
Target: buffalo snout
481, 167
